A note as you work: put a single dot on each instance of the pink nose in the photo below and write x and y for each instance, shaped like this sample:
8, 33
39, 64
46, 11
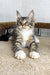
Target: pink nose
23, 24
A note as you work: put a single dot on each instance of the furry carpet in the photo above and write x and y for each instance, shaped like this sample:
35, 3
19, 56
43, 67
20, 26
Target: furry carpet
11, 66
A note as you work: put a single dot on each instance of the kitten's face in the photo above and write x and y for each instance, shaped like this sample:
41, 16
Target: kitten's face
25, 22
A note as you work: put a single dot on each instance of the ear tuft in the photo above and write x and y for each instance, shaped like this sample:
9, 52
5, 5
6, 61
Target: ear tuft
31, 16
18, 15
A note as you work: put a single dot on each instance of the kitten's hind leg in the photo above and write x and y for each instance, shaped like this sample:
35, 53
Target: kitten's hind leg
19, 53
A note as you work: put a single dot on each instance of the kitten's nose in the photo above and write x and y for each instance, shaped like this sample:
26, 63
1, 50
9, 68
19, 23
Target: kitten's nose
23, 24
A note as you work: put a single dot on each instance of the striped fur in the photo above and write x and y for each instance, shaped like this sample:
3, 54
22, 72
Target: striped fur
23, 35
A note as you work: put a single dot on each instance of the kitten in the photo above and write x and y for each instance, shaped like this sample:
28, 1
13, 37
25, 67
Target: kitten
23, 36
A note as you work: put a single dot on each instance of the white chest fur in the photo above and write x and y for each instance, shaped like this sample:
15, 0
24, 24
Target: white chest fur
26, 33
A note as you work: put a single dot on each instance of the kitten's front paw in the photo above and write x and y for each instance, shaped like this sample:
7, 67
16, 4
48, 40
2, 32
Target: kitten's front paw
34, 54
20, 54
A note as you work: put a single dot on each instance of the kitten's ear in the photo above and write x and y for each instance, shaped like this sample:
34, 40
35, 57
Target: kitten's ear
31, 16
18, 15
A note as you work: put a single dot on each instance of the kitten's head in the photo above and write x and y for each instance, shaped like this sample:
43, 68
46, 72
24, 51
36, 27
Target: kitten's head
25, 22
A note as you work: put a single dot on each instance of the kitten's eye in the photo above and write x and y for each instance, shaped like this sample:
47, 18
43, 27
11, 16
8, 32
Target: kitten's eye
30, 24
18, 23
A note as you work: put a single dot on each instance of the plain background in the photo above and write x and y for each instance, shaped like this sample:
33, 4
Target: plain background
8, 9
41, 9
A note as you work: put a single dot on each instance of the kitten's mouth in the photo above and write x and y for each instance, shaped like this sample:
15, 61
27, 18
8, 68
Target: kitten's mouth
23, 27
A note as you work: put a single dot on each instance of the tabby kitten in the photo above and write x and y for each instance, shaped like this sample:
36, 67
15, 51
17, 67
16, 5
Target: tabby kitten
23, 36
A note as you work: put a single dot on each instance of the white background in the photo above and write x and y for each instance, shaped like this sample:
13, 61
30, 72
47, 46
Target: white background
8, 9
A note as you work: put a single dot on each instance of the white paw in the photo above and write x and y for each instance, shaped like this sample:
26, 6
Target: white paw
34, 54
20, 54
